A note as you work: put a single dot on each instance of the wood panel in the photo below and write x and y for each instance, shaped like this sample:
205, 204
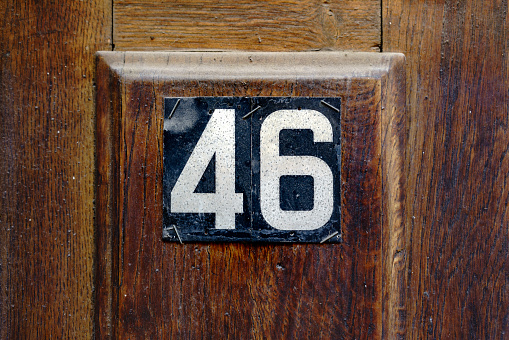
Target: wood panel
274, 25
458, 165
47, 166
219, 290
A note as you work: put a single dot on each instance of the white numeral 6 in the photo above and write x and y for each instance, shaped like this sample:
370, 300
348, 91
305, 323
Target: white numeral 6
273, 166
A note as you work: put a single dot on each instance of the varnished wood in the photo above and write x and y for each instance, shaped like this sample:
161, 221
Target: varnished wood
273, 25
457, 197
456, 160
394, 243
106, 185
243, 290
47, 166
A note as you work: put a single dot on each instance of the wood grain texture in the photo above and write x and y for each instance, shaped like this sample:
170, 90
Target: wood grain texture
107, 183
273, 25
47, 166
394, 244
458, 165
237, 290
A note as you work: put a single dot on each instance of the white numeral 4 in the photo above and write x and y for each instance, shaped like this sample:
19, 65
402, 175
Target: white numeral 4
218, 138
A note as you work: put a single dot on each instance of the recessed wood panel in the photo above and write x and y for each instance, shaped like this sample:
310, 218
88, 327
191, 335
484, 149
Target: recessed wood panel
247, 25
351, 289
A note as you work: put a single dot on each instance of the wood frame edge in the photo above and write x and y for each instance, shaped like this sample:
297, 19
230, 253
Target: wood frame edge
106, 196
394, 246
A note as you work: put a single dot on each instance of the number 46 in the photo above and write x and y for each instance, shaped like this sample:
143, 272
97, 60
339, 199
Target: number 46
218, 139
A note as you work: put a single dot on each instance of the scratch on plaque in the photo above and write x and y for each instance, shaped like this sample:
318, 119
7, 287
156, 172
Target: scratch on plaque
173, 111
328, 237
178, 235
329, 106
251, 112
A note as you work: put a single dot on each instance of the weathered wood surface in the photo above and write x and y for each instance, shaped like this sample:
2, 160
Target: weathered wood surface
274, 25
457, 63
107, 185
244, 290
458, 165
47, 166
394, 244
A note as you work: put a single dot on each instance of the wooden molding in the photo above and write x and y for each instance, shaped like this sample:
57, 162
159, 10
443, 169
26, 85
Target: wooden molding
150, 288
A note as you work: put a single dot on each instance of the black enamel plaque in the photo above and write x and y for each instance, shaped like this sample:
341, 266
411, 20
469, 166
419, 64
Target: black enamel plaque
252, 169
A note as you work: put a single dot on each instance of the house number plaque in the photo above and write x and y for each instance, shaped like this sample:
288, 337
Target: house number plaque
253, 169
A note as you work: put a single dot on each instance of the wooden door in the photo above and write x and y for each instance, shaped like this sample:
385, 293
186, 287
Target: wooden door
456, 160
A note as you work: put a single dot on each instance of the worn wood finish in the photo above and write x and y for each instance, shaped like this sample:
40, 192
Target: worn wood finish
458, 100
394, 243
47, 166
244, 291
106, 185
273, 25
